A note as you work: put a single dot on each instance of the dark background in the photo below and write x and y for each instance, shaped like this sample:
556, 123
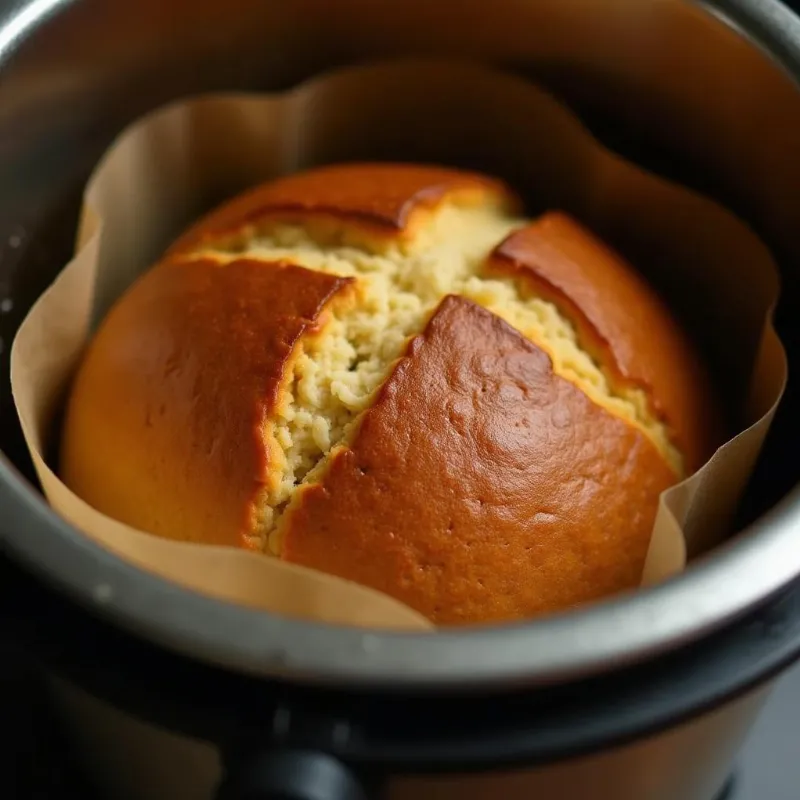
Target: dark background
36, 763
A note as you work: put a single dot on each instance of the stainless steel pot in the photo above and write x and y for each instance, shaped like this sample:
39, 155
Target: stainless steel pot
704, 92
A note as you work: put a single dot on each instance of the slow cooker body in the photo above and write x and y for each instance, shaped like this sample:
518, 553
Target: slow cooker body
691, 762
163, 704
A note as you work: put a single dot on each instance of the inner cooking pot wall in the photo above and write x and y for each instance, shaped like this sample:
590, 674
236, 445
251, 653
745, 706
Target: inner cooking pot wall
662, 81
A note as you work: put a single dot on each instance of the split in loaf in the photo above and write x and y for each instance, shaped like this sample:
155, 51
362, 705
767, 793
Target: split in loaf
385, 372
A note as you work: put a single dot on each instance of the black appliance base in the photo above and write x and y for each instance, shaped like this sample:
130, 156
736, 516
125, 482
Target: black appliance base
37, 764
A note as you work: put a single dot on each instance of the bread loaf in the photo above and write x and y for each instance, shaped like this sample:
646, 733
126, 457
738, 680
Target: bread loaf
387, 373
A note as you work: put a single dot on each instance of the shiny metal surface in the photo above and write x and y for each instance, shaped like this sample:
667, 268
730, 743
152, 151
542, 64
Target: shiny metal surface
129, 760
684, 89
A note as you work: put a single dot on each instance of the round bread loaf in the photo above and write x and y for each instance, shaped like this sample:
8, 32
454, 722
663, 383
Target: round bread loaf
384, 372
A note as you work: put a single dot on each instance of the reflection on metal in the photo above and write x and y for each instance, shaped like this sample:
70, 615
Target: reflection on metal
28, 17
683, 89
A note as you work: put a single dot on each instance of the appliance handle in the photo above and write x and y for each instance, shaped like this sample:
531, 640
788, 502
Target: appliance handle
290, 775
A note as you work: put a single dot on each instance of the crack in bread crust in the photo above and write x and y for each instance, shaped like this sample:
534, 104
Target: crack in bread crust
337, 369
517, 495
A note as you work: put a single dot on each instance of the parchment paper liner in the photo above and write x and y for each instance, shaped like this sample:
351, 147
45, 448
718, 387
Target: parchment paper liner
170, 166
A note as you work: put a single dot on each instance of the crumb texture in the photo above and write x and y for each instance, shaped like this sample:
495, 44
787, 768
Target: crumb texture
337, 369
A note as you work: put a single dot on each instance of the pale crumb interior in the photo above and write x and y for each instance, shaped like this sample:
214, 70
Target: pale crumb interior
337, 371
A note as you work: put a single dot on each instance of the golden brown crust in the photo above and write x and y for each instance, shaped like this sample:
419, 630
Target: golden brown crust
165, 428
480, 486
620, 320
384, 199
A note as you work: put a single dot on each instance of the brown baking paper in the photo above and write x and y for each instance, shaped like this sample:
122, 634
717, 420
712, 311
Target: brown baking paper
177, 162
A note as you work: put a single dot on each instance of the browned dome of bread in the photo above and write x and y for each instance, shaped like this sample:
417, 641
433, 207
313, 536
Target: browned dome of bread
382, 372
372, 200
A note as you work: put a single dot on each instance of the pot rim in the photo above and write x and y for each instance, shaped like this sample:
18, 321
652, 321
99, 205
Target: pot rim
714, 591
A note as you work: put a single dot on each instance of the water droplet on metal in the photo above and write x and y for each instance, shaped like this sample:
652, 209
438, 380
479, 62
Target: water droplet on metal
103, 592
